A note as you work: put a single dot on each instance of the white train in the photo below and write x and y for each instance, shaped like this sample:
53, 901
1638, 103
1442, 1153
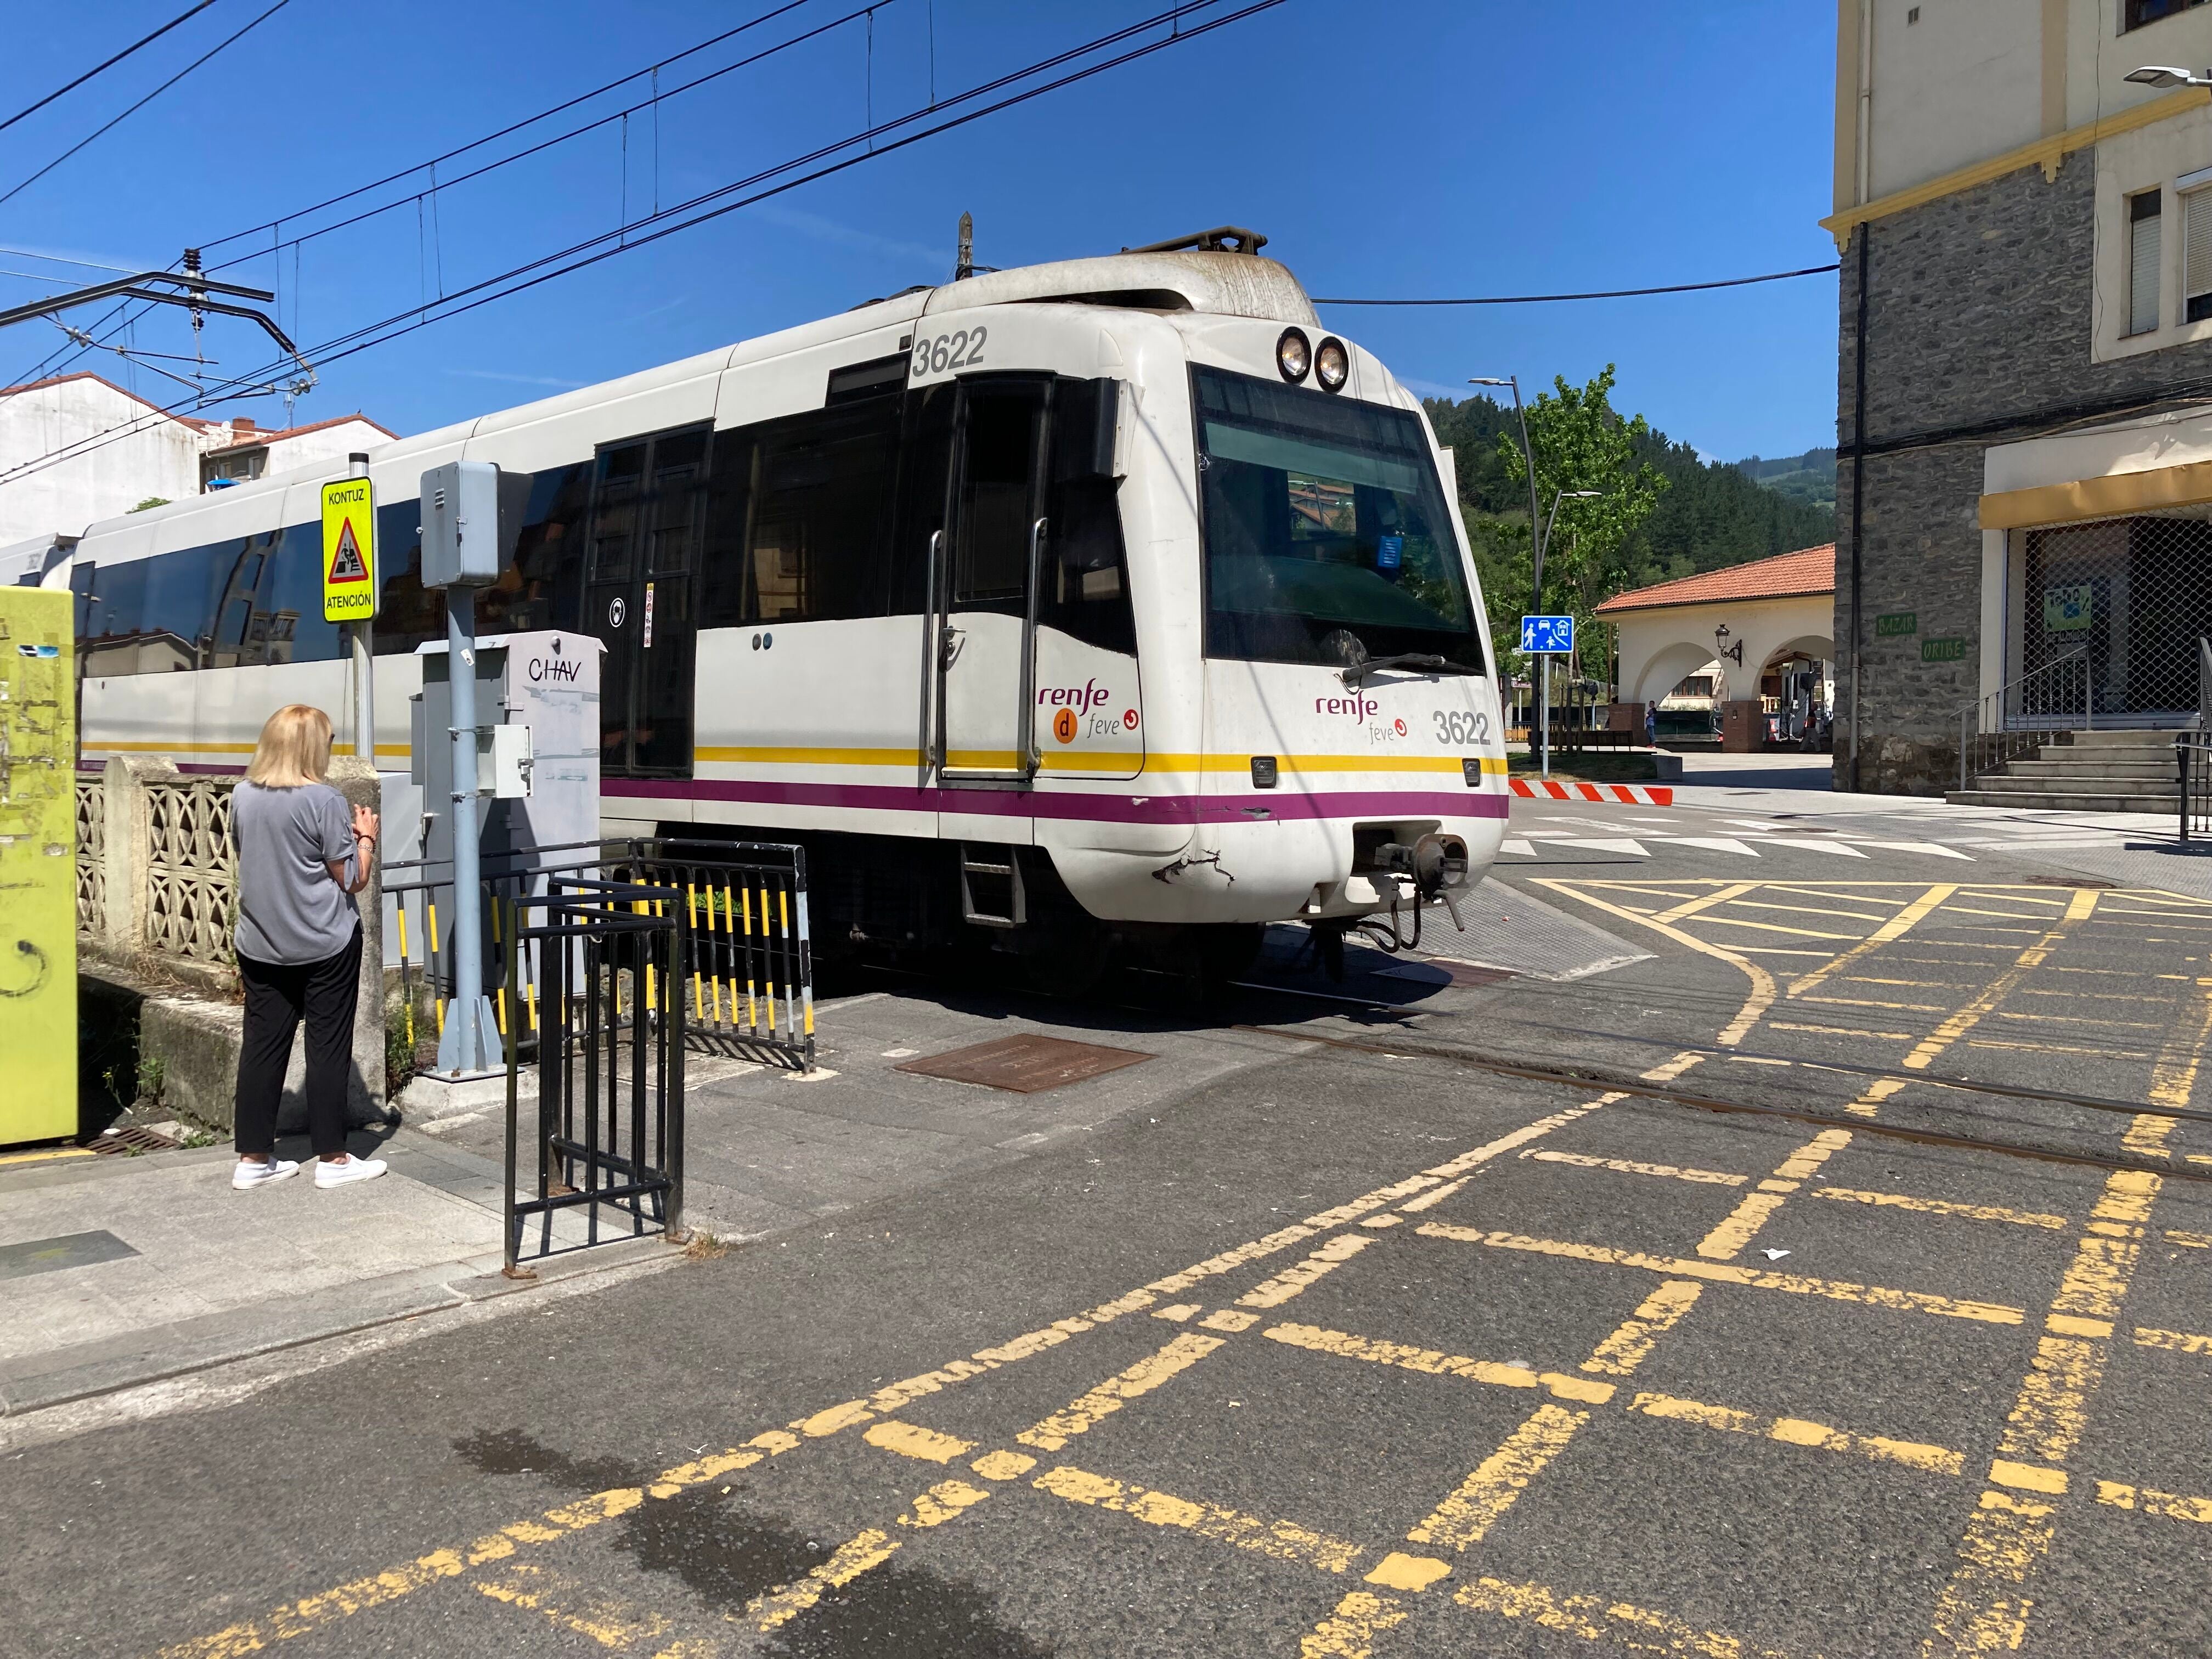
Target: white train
1113, 595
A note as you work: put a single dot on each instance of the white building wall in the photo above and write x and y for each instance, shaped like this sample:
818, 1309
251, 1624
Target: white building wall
131, 451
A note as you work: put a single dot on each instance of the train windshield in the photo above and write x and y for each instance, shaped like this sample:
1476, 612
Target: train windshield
1328, 538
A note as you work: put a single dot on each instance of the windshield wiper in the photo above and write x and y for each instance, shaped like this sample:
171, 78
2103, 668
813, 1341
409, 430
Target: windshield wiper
1426, 664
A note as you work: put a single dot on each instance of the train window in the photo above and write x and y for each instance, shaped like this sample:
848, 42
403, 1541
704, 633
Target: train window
241, 568
722, 585
614, 522
175, 622
298, 632
1086, 591
407, 613
816, 548
999, 463
543, 586
1327, 539
924, 466
114, 612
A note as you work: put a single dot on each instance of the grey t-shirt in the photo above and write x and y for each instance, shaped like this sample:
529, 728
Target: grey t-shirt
289, 910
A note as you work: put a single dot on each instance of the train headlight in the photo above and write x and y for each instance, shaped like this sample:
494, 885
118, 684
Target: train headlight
1332, 364
1294, 354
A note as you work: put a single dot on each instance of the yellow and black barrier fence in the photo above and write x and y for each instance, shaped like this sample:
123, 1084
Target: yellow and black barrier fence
745, 973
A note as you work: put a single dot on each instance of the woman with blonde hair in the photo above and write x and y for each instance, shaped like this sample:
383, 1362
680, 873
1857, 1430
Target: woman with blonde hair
301, 860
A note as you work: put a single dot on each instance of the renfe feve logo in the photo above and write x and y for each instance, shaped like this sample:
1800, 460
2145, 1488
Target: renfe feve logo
1354, 709
1075, 718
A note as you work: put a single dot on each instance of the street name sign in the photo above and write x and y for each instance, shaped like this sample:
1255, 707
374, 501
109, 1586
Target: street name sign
1547, 635
348, 550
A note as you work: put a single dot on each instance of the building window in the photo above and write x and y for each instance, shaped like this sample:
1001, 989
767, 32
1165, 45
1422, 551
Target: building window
2196, 256
2142, 260
2134, 13
234, 467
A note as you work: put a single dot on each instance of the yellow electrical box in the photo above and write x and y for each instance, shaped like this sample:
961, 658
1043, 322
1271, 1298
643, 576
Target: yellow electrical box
37, 867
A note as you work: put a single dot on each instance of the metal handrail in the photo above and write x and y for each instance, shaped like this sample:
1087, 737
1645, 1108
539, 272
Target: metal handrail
1993, 704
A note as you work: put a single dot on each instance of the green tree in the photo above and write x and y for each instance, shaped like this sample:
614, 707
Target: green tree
1581, 444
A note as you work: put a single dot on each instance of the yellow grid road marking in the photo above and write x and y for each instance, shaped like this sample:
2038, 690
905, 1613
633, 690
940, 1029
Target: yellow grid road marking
2172, 1080
1724, 1273
856, 1555
1633, 1340
1082, 1415
1273, 1292
1693, 907
1774, 927
1895, 929
1465, 1516
1600, 1618
1869, 1002
1349, 1632
1797, 1431
2172, 1505
1806, 910
611, 1623
1346, 1345
1983, 1608
1624, 1166
1843, 1030
1942, 1206
2173, 1341
907, 1441
1283, 1540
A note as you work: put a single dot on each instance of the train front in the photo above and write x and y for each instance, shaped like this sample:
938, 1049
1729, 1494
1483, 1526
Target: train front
1350, 754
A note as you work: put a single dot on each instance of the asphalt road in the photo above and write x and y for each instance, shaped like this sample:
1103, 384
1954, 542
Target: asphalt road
1362, 1344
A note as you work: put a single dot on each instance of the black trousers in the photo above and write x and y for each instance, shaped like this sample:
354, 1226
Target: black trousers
278, 996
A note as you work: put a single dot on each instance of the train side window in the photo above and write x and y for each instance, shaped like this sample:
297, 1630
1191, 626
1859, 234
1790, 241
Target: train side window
241, 568
1087, 585
543, 587
991, 558
722, 585
407, 613
297, 631
614, 522
174, 629
115, 614
816, 550
924, 473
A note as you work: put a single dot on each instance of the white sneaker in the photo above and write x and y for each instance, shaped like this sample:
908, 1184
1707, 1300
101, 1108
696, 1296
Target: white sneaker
249, 1174
328, 1174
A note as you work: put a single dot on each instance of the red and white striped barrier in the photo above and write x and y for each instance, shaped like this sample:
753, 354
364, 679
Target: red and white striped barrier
1629, 794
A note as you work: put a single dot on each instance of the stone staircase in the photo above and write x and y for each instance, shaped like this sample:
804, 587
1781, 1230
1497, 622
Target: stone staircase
2122, 771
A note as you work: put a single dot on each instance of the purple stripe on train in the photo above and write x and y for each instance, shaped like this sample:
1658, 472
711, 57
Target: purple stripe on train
1073, 805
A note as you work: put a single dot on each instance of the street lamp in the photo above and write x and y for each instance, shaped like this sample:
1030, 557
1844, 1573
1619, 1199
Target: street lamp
2158, 74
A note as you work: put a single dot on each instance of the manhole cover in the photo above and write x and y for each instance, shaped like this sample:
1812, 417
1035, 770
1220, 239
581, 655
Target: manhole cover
1460, 973
46, 1255
1025, 1065
130, 1138
2072, 881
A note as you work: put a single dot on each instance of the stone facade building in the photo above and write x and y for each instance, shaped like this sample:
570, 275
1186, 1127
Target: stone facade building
2024, 489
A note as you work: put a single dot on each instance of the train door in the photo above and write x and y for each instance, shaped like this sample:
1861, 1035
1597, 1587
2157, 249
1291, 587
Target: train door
987, 583
648, 512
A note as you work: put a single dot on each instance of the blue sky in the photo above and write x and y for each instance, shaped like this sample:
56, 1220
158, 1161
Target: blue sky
1397, 148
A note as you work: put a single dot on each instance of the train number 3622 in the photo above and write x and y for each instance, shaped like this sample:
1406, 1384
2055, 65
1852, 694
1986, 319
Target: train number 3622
963, 349
1458, 728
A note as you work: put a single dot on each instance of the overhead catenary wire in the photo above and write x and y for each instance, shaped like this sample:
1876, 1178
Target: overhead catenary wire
110, 125
185, 15
596, 249
1601, 294
115, 321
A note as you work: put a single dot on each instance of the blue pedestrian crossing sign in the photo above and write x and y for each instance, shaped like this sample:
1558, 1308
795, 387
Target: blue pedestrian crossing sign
1547, 635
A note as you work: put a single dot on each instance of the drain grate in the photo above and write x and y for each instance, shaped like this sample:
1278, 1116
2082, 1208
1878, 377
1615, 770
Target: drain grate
1025, 1065
2089, 882
130, 1138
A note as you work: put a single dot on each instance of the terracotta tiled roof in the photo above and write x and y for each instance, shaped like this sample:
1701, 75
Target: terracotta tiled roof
1808, 570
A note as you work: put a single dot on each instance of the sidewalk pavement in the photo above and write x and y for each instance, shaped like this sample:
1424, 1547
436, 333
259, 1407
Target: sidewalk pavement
123, 1270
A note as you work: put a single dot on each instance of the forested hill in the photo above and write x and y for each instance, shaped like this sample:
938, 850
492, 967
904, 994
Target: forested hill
1713, 513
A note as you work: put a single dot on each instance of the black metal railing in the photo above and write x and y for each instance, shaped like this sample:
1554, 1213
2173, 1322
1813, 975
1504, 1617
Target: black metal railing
606, 1136
2193, 761
2018, 719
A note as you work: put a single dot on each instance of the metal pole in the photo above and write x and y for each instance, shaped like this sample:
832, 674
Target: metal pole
1865, 233
364, 651
467, 1046
1537, 578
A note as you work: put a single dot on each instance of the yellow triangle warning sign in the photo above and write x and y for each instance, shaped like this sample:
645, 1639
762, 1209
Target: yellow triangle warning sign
346, 563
